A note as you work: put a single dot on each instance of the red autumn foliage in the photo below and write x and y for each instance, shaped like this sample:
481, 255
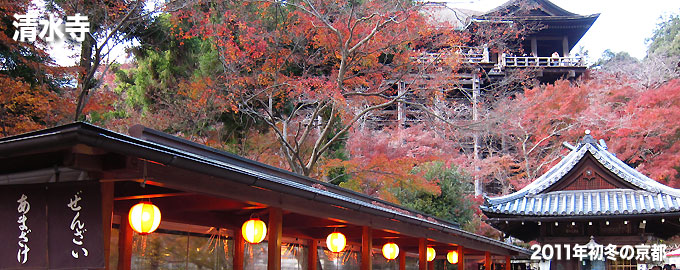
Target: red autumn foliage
639, 125
30, 99
309, 69
385, 159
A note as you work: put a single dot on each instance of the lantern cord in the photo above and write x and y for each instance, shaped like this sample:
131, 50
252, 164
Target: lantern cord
143, 184
56, 173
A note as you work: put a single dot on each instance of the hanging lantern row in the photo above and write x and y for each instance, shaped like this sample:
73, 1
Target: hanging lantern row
254, 230
390, 251
336, 242
144, 217
452, 257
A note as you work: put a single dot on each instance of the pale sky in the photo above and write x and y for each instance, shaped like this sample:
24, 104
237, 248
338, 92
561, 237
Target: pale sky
623, 25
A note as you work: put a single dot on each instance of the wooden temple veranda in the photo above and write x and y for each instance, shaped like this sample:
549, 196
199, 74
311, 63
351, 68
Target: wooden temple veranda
66, 193
590, 195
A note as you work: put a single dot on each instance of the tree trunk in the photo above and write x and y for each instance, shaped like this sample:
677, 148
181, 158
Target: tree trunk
84, 83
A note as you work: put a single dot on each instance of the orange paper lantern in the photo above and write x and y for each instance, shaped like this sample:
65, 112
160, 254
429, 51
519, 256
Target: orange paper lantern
452, 257
144, 217
336, 242
431, 253
390, 251
254, 230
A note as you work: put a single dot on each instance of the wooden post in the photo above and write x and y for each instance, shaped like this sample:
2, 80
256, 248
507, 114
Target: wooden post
565, 46
275, 230
401, 108
461, 257
239, 249
402, 260
475, 134
534, 47
430, 265
124, 244
422, 254
312, 256
366, 248
507, 262
107, 217
487, 260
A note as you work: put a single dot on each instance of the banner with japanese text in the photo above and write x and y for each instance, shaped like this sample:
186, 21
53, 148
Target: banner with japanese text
51, 226
23, 227
75, 226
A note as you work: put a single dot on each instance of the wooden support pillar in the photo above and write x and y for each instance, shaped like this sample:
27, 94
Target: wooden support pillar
507, 262
312, 254
107, 217
124, 244
476, 95
461, 257
402, 260
239, 250
401, 108
565, 46
487, 260
534, 47
275, 230
366, 248
422, 254
430, 265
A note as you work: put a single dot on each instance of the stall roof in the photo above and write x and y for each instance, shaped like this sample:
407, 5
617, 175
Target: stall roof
175, 152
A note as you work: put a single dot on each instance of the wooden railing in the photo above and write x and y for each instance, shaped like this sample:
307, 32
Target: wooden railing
530, 61
477, 56
466, 57
473, 54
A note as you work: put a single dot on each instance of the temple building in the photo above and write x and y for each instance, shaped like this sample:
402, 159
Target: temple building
589, 196
550, 34
489, 62
558, 30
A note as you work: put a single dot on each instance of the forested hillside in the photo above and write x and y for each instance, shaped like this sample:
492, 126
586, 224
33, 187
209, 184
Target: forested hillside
295, 84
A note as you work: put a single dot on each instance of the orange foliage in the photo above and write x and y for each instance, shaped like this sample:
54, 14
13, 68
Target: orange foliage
383, 160
24, 109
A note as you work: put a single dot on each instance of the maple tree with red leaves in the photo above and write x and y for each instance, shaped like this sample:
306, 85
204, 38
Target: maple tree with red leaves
650, 141
381, 160
311, 69
638, 124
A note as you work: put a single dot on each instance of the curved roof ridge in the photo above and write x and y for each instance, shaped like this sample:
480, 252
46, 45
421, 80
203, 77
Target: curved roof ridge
546, 180
631, 175
604, 157
547, 6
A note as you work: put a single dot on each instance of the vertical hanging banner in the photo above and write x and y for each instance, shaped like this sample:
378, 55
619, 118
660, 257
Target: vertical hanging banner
23, 227
75, 226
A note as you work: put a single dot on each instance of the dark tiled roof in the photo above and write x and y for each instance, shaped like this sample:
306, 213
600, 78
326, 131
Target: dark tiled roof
590, 202
533, 200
